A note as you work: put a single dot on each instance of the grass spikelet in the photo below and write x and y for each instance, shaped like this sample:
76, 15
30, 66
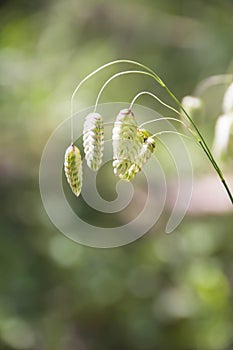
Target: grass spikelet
125, 142
93, 140
144, 154
195, 108
223, 140
227, 105
73, 169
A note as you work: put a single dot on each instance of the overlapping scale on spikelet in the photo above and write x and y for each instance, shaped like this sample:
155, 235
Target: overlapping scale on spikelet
125, 142
73, 169
93, 140
147, 148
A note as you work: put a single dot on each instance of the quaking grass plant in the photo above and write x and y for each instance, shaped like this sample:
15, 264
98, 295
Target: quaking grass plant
125, 165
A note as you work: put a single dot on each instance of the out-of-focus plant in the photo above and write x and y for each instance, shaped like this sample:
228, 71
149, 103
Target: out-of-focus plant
193, 106
160, 292
223, 141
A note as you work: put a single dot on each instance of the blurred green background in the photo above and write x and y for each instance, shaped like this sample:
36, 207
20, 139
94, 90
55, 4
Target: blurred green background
161, 292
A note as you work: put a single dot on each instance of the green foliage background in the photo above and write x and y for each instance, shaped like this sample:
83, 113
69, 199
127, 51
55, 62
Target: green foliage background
161, 292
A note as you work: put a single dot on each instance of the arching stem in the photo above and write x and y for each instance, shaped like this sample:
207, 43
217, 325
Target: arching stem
171, 132
116, 76
157, 78
156, 98
200, 139
163, 118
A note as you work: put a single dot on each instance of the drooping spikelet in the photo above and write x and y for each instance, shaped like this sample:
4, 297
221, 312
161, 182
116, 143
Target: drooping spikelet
227, 105
93, 140
194, 107
223, 139
125, 142
73, 169
147, 148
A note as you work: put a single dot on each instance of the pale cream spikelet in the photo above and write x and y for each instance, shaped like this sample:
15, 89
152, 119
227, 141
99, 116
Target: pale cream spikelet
125, 147
93, 140
194, 107
227, 104
146, 151
223, 139
73, 169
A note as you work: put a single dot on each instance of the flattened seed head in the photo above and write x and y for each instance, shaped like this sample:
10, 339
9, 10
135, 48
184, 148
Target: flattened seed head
93, 140
125, 142
73, 169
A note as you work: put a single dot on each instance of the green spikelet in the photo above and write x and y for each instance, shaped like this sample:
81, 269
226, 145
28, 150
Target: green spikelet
93, 140
73, 169
147, 148
125, 142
